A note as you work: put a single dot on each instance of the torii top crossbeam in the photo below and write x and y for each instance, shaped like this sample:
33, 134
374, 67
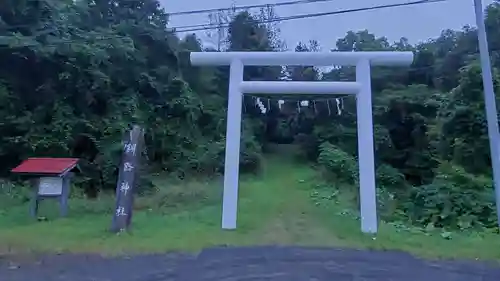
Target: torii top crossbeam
302, 58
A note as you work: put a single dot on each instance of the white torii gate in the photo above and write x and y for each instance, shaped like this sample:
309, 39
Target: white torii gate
361, 88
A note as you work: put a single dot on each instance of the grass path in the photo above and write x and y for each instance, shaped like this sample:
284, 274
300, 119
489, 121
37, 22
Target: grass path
274, 208
271, 210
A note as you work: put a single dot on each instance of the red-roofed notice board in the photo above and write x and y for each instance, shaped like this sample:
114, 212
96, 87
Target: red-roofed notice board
46, 166
50, 178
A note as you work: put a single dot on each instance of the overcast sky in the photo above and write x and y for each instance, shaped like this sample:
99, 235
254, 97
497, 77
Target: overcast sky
417, 23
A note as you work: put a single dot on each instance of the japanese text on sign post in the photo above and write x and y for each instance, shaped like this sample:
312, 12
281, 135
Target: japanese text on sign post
127, 180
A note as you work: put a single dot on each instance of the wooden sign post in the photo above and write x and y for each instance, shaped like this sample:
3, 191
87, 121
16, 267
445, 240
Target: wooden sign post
127, 179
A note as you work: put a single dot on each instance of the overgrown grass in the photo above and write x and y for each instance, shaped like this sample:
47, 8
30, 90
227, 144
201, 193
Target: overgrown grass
284, 205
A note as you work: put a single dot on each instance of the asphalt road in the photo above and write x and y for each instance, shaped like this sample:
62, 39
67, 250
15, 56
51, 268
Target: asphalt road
249, 263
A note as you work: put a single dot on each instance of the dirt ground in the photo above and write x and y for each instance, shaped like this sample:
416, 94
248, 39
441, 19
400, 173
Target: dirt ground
248, 263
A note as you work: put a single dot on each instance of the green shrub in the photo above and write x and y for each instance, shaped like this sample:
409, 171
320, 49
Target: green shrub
251, 150
390, 178
338, 163
391, 189
455, 199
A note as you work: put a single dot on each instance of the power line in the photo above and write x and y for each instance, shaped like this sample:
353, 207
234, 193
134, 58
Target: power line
234, 8
200, 27
220, 22
102, 38
247, 7
208, 27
